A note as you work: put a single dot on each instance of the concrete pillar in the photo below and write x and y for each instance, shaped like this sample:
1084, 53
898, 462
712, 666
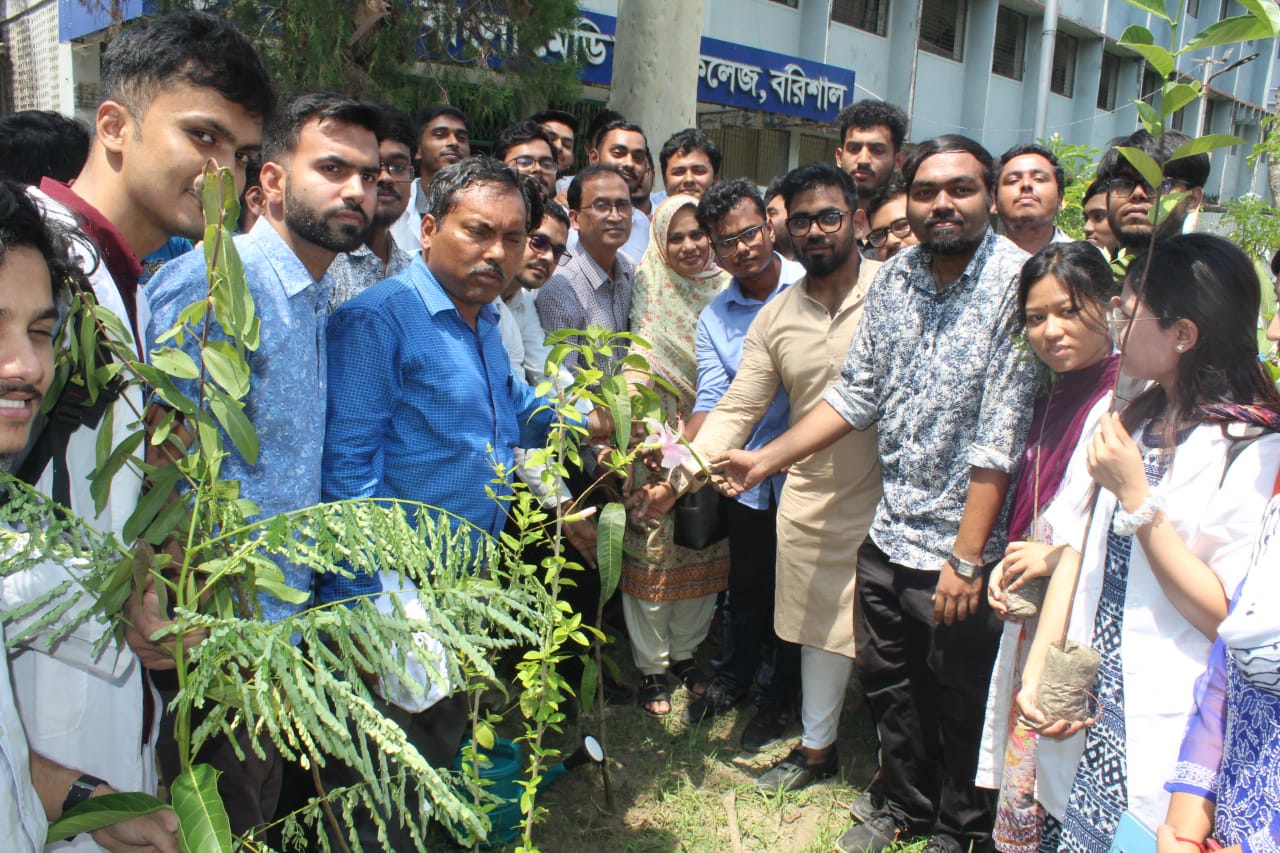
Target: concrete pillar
655, 66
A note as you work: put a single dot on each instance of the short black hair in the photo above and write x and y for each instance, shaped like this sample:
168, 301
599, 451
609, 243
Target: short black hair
896, 187
397, 126
1098, 187
1083, 271
722, 197
1194, 170
1059, 174
519, 134
574, 194
184, 47
619, 124
559, 116
556, 211
946, 144
37, 144
775, 187
23, 224
687, 140
602, 118
1275, 264
280, 136
456, 177
815, 175
872, 113
430, 113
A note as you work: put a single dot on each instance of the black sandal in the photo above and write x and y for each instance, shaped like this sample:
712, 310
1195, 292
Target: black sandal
691, 676
653, 688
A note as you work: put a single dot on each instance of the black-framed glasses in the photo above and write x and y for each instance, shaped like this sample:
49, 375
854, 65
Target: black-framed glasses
401, 173
899, 228
559, 253
1123, 187
525, 161
604, 207
828, 220
726, 246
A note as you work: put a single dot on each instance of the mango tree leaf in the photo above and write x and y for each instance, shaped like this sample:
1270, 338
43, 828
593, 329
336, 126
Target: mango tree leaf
97, 812
1155, 7
1264, 10
1161, 60
235, 422
1167, 204
1145, 164
616, 397
1176, 96
612, 526
1201, 144
1230, 31
203, 825
587, 690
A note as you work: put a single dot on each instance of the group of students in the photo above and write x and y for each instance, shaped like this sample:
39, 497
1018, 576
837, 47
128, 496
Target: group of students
1141, 497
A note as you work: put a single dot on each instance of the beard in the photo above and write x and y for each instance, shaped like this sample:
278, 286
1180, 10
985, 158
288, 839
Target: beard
319, 228
949, 244
821, 267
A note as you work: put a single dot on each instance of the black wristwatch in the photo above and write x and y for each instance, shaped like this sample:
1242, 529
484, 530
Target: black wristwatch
963, 568
81, 790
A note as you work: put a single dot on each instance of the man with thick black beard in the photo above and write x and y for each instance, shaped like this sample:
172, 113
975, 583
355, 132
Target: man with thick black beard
935, 369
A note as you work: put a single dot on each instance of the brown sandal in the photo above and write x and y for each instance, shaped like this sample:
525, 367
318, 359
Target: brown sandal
691, 676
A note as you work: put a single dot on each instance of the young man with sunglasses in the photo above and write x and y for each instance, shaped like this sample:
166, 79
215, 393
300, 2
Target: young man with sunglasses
379, 257
1129, 196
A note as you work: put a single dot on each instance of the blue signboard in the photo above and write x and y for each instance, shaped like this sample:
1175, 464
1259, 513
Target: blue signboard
730, 74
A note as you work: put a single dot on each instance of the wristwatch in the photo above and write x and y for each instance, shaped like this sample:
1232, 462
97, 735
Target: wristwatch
963, 568
81, 790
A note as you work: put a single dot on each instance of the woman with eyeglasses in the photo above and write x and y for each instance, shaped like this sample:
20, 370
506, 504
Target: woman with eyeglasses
1184, 473
669, 592
1064, 293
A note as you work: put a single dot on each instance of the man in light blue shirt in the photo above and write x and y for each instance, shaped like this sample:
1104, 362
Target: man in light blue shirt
733, 213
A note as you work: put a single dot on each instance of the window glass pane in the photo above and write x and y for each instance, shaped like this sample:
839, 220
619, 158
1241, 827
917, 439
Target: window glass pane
1011, 39
1063, 79
1109, 81
942, 28
869, 15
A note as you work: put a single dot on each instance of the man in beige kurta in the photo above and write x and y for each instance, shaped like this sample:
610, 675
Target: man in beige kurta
798, 342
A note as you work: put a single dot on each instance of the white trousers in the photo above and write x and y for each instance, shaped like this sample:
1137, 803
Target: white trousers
824, 677
665, 631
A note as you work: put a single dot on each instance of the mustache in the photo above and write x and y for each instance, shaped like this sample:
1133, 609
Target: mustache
934, 220
487, 267
21, 388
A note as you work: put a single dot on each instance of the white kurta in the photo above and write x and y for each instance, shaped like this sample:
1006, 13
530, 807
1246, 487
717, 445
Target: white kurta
1162, 653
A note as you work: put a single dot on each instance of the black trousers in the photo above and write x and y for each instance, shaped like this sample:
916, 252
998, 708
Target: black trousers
753, 550
927, 688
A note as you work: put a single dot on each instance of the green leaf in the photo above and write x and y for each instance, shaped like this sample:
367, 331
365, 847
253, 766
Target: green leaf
484, 734
1145, 164
1161, 60
150, 504
100, 480
1150, 118
1167, 204
610, 530
203, 825
618, 399
1178, 95
97, 812
235, 422
1264, 10
282, 591
166, 521
587, 691
1155, 7
1202, 144
1230, 31
174, 362
227, 367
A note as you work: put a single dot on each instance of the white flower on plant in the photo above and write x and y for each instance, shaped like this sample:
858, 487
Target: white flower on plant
668, 441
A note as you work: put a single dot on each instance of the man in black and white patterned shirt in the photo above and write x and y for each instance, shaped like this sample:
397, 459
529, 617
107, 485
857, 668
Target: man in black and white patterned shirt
934, 366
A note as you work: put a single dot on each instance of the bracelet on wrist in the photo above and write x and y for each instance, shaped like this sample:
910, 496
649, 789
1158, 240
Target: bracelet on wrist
1125, 523
1199, 845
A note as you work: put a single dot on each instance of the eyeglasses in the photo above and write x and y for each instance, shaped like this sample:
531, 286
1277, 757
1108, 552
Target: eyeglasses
728, 245
900, 228
1124, 187
401, 173
828, 220
540, 243
604, 207
524, 161
1118, 321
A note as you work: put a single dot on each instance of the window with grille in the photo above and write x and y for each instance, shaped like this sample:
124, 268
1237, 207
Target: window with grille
869, 15
1193, 8
942, 28
1010, 45
1109, 82
1063, 79
794, 4
1150, 85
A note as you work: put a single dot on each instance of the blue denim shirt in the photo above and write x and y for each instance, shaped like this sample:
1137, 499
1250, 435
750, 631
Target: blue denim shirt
422, 406
722, 327
286, 400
